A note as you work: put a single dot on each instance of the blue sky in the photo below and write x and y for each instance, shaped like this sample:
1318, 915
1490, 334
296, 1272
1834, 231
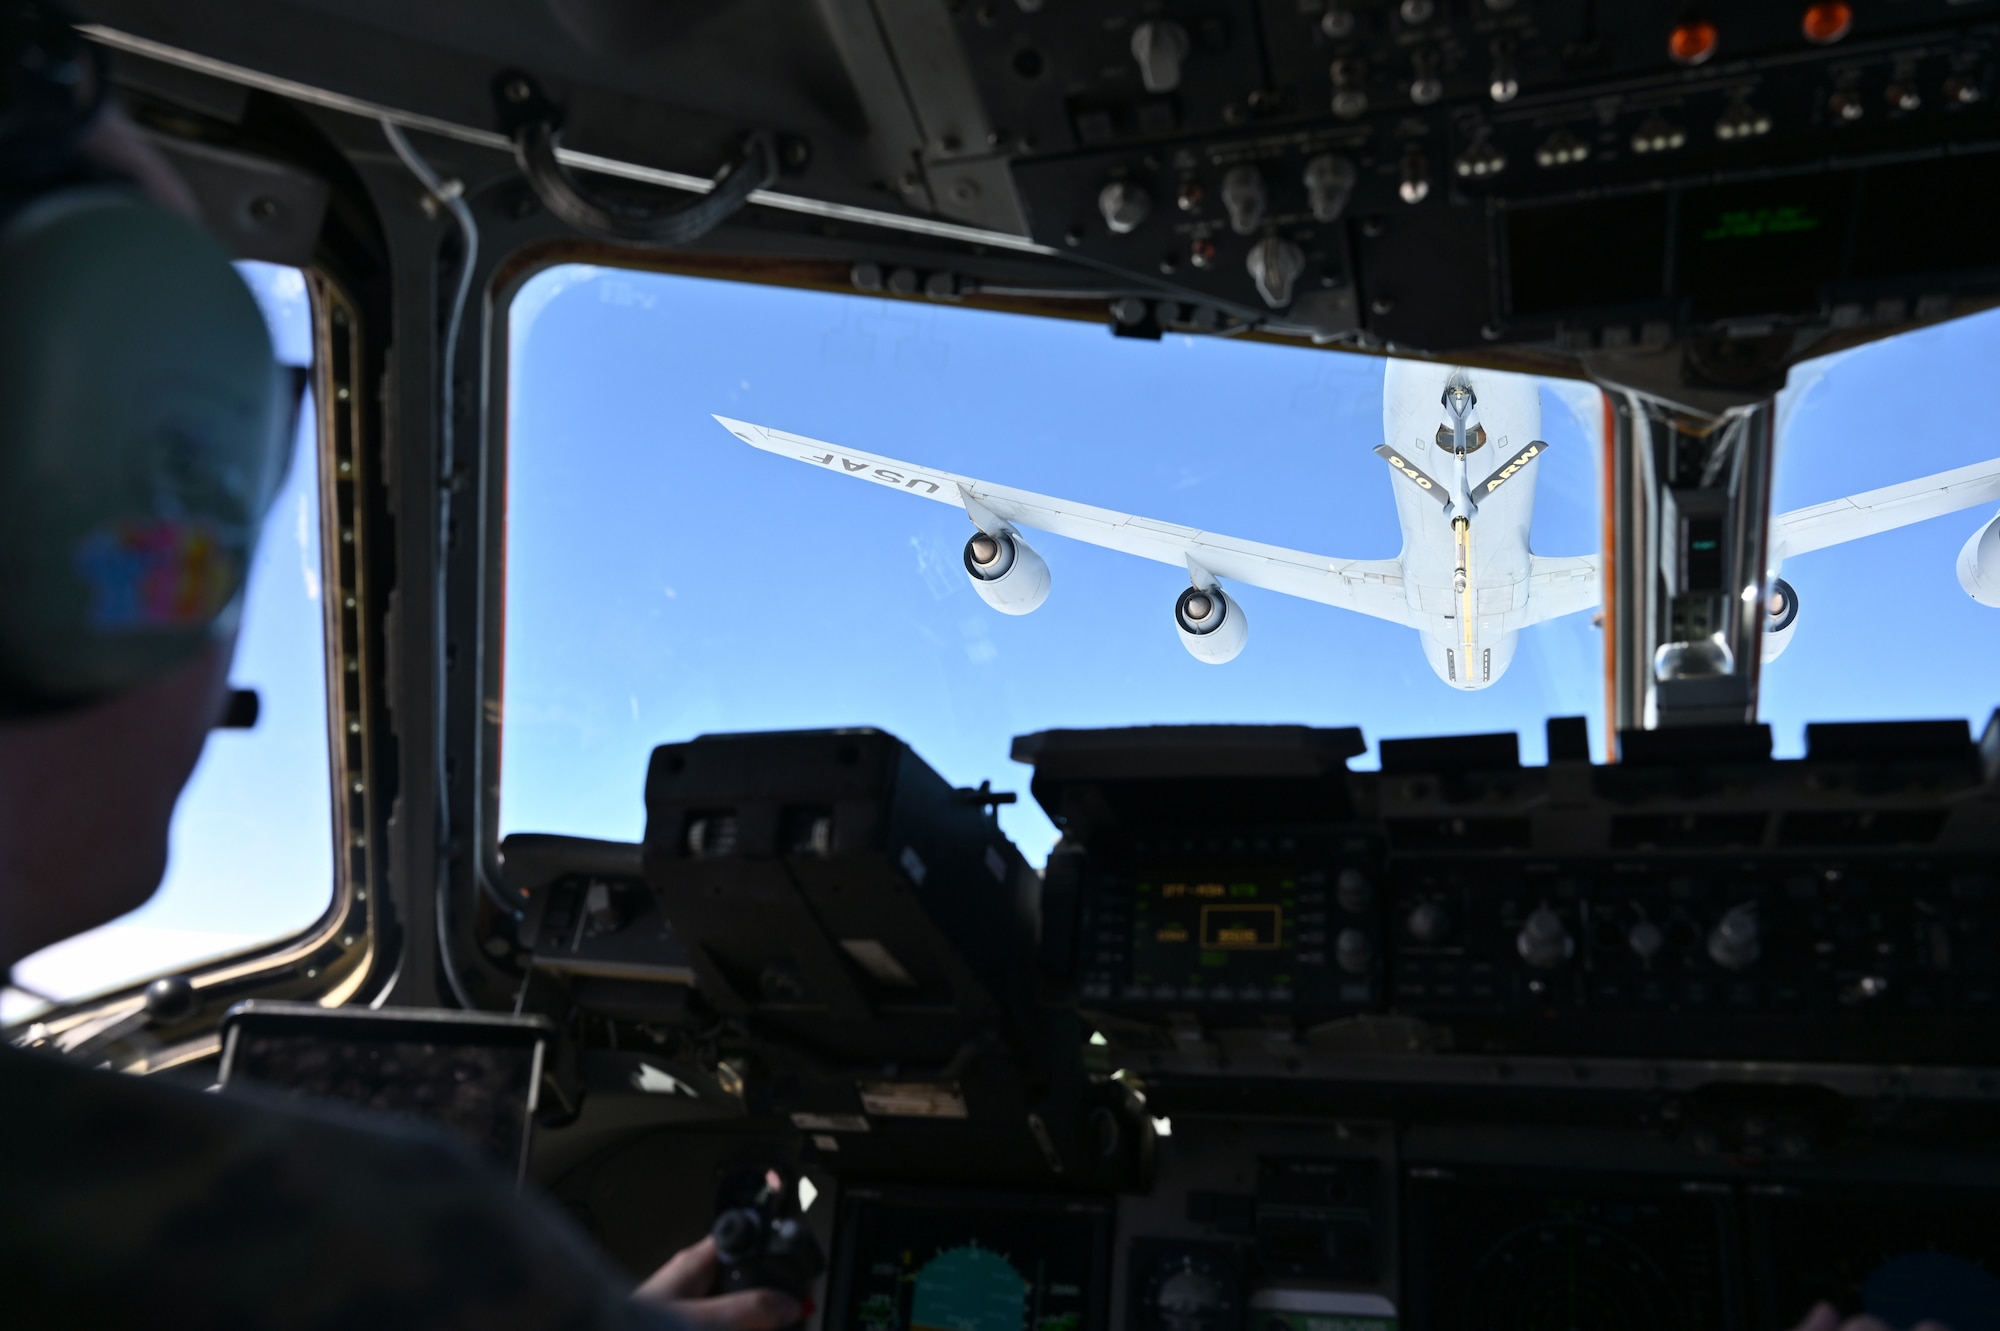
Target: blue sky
252, 848
666, 581
1884, 629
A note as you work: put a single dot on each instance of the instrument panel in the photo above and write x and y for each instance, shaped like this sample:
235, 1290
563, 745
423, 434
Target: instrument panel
1452, 173
1690, 1042
1688, 910
1709, 956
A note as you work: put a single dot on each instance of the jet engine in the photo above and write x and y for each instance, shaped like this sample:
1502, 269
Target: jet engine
1979, 565
1781, 615
1212, 626
1006, 572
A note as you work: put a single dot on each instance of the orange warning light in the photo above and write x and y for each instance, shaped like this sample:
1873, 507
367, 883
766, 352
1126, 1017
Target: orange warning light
1827, 21
1692, 41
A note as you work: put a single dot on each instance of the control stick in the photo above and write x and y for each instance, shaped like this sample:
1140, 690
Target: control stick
759, 1247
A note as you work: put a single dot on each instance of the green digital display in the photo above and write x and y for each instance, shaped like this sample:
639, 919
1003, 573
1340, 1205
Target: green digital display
934, 1261
1749, 223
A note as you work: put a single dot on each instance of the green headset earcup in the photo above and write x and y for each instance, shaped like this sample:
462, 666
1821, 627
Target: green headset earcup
142, 438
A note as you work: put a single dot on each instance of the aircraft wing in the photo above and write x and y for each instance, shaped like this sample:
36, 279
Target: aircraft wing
1562, 586
1841, 520
1369, 586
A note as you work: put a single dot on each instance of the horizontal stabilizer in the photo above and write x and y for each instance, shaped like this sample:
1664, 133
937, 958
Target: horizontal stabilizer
1413, 474
1562, 585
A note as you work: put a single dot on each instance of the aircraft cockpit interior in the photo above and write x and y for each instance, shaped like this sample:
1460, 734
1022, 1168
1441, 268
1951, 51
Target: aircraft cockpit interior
747, 716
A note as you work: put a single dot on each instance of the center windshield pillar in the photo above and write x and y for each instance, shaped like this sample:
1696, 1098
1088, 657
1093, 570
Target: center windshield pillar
1690, 499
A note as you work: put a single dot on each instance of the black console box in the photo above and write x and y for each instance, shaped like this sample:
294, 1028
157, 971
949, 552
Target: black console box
833, 886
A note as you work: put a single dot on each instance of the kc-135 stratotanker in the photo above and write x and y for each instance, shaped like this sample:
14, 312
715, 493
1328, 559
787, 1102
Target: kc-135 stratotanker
1461, 447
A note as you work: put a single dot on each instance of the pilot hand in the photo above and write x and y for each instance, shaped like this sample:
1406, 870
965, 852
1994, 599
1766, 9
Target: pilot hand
681, 1287
1826, 1317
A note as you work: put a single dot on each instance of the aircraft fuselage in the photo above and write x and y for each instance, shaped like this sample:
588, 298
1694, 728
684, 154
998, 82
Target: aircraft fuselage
1465, 554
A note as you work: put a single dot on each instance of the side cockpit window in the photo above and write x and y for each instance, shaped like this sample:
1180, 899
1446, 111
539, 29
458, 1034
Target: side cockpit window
252, 844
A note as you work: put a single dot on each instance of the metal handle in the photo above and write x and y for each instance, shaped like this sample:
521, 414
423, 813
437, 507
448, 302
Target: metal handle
535, 126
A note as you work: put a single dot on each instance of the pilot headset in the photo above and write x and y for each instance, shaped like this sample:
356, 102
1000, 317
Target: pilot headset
142, 412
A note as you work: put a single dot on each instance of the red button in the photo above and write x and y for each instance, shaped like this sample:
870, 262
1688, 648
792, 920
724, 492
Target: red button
1827, 22
1692, 41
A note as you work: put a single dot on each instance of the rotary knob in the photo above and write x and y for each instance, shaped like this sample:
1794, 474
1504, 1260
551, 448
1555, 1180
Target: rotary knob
1354, 952
1646, 939
1274, 264
1430, 922
1352, 891
1543, 941
1124, 206
1734, 944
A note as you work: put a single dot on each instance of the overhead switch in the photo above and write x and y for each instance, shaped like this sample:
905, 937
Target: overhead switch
1430, 922
1329, 182
1350, 97
1426, 84
1353, 892
1244, 197
1505, 84
1275, 263
1160, 45
1416, 186
1124, 205
1543, 941
1733, 944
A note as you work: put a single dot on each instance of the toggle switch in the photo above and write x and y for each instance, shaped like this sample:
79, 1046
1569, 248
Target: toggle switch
1160, 45
1244, 198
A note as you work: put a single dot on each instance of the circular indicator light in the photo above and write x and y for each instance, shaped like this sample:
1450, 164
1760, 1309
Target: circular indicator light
1692, 41
1827, 22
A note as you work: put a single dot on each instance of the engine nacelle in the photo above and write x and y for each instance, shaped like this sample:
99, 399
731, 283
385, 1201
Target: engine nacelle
1212, 625
1006, 572
1979, 565
1781, 616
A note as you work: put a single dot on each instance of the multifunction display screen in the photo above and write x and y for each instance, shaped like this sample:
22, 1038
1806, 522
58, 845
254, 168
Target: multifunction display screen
1231, 936
922, 1261
1223, 934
